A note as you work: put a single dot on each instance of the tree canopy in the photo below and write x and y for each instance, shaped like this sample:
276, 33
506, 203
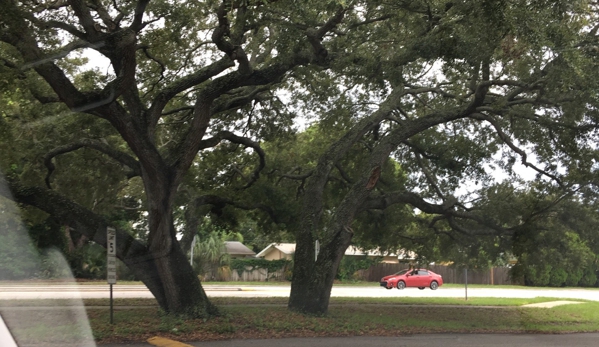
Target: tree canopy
415, 104
178, 74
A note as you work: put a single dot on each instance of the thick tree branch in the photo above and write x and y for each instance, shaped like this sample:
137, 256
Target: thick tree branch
299, 177
507, 140
251, 144
343, 174
104, 15
248, 143
429, 176
59, 25
240, 99
140, 8
362, 187
20, 35
315, 36
133, 253
180, 85
190, 145
220, 202
232, 47
102, 147
446, 210
85, 19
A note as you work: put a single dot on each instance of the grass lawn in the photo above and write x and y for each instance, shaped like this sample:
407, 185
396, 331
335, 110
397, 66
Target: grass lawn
269, 318
282, 301
287, 283
344, 284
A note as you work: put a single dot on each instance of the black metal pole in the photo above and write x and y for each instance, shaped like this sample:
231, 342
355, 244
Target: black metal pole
111, 306
466, 281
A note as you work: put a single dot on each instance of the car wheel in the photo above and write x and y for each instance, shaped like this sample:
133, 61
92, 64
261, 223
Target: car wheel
421, 288
401, 285
434, 285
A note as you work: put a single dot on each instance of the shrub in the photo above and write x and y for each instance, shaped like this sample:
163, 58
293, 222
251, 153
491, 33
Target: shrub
271, 266
574, 277
537, 275
350, 265
589, 278
558, 277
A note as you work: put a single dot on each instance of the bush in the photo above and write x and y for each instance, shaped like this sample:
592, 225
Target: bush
538, 275
350, 265
558, 277
589, 278
271, 266
574, 277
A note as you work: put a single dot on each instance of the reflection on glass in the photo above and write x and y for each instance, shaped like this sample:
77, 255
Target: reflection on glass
27, 319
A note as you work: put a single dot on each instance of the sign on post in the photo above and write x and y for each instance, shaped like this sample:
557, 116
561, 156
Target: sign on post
111, 255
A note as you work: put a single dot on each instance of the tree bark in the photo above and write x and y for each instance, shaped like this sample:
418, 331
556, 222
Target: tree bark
313, 276
176, 276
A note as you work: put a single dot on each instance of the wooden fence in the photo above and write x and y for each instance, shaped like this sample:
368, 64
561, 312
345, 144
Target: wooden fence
257, 275
498, 275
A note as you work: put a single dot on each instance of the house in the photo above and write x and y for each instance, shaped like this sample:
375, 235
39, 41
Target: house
390, 258
276, 251
237, 249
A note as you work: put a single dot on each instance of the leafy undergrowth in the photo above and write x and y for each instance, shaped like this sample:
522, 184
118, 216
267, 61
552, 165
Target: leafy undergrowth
275, 321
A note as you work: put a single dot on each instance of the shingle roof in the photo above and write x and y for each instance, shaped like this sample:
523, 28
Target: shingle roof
237, 248
353, 250
289, 248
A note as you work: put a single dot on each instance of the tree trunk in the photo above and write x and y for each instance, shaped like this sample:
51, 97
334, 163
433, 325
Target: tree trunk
313, 280
183, 292
165, 271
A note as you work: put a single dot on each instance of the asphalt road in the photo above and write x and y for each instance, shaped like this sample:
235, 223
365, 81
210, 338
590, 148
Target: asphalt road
444, 340
73, 291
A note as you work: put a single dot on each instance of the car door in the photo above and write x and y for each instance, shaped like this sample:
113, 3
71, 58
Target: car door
424, 278
412, 279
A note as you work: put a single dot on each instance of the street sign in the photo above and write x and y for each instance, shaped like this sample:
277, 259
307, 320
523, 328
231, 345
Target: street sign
111, 255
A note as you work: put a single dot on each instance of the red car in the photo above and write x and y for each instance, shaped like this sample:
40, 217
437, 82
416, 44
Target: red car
420, 278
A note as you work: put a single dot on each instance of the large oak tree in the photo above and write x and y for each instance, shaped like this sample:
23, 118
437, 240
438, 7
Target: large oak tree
443, 89
177, 73
449, 91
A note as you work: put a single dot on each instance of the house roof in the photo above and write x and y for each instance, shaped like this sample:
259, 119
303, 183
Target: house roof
287, 248
237, 248
353, 250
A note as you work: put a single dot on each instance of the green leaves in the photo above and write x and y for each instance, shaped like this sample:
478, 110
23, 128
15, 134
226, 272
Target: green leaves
560, 248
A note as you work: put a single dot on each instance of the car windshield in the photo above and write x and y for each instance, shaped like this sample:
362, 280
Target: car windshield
214, 170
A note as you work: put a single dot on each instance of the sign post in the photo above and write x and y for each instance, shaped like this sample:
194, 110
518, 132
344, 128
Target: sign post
316, 250
466, 282
111, 264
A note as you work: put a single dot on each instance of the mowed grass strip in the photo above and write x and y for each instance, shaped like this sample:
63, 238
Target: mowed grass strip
275, 321
282, 301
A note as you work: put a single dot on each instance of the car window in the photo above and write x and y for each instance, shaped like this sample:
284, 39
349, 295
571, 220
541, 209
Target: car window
423, 273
